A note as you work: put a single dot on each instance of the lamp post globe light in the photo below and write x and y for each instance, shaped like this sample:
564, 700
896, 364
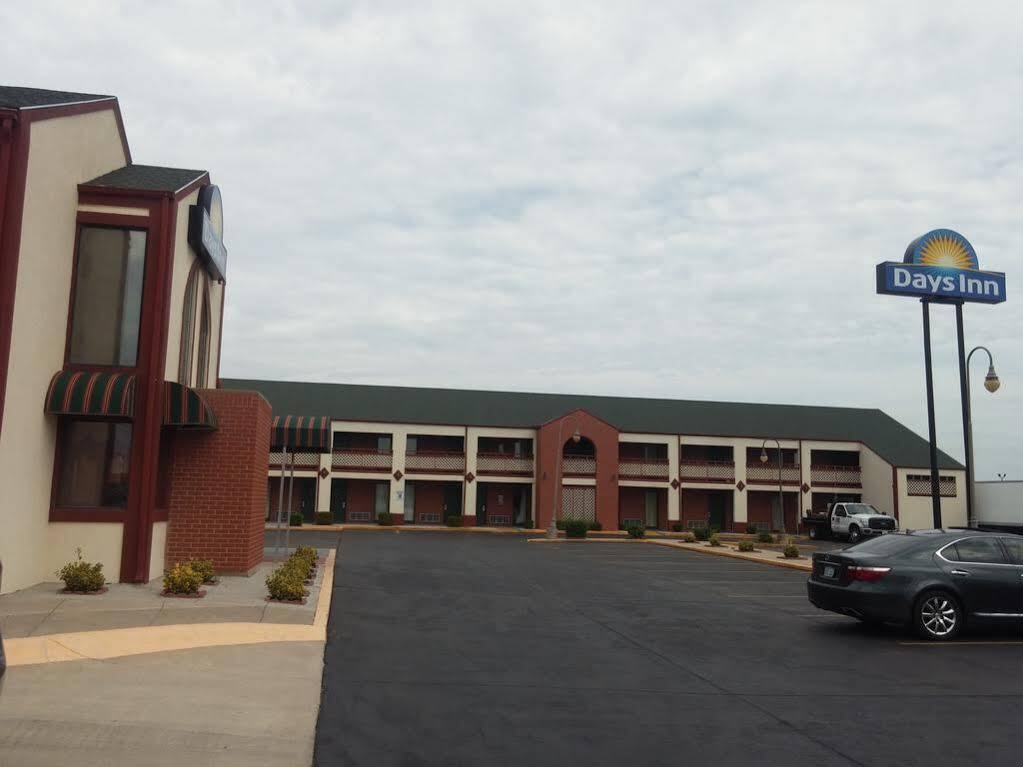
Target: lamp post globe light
781, 497
992, 383
552, 529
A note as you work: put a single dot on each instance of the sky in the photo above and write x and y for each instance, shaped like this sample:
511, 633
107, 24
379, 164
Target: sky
663, 199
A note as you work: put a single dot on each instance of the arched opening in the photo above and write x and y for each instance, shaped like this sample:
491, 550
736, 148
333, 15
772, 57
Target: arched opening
578, 459
204, 339
187, 347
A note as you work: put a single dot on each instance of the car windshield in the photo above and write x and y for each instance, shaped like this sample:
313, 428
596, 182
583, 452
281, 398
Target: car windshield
888, 545
860, 508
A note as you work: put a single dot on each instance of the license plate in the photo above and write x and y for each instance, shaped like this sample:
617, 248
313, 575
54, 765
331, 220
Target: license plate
829, 571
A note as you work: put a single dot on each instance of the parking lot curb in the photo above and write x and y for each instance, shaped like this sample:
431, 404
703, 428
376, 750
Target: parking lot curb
732, 554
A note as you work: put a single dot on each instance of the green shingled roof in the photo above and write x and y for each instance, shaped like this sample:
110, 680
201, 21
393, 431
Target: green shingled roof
398, 404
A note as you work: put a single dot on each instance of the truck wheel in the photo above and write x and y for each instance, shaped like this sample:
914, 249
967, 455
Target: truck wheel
937, 616
854, 533
812, 532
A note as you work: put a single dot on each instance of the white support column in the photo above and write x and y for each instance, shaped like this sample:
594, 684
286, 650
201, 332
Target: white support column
805, 462
323, 483
740, 508
469, 496
398, 448
673, 471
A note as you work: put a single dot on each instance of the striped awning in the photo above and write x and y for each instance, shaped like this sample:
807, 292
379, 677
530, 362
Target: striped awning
300, 433
76, 392
184, 408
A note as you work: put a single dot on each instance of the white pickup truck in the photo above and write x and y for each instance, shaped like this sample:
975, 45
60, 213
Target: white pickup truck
849, 520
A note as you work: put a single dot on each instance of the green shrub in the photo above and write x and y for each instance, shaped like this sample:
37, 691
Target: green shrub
561, 523
384, 519
765, 537
714, 540
596, 526
295, 520
791, 551
205, 569
676, 527
324, 518
528, 524
636, 531
702, 533
285, 583
453, 521
688, 538
182, 579
576, 528
306, 552
751, 529
81, 576
746, 546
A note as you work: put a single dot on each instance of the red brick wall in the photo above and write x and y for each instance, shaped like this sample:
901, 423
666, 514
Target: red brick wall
500, 499
605, 441
218, 485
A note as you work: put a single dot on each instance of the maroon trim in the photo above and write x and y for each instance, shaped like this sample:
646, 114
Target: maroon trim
92, 514
14, 144
895, 492
118, 220
160, 515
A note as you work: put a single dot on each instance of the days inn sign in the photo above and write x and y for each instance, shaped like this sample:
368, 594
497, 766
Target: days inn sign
941, 266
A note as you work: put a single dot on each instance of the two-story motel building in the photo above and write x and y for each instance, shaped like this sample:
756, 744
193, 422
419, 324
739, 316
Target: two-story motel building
492, 458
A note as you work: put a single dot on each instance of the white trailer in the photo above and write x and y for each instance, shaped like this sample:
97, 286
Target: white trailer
999, 504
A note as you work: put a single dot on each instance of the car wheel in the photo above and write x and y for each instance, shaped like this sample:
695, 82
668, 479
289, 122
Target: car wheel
938, 616
854, 534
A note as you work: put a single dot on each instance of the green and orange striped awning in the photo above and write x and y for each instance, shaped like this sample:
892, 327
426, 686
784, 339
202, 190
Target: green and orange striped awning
300, 433
76, 392
184, 408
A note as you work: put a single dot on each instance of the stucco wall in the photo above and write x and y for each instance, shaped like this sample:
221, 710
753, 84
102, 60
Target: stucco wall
184, 257
876, 480
63, 152
915, 511
156, 554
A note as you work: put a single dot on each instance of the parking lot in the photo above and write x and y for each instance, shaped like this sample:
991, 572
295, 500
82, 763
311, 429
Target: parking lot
479, 649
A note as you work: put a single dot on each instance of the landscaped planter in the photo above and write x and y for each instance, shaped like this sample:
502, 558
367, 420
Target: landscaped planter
198, 595
93, 593
301, 601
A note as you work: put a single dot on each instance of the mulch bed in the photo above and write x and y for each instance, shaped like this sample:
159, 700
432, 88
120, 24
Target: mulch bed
169, 595
103, 590
301, 601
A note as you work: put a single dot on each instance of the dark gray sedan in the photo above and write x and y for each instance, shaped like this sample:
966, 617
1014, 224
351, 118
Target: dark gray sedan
937, 581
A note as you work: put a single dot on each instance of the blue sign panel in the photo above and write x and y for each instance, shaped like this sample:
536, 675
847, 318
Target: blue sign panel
941, 265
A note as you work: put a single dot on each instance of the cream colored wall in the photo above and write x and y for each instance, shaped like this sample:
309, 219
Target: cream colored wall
63, 152
99, 541
915, 511
216, 299
876, 481
157, 554
184, 257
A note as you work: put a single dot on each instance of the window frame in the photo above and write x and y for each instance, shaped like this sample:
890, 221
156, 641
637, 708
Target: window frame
123, 223
1006, 558
60, 513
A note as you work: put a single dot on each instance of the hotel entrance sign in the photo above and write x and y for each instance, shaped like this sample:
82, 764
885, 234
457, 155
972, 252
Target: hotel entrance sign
206, 231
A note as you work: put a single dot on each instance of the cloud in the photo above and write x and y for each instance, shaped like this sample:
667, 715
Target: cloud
682, 200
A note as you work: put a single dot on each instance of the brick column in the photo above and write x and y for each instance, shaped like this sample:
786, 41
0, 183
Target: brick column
218, 485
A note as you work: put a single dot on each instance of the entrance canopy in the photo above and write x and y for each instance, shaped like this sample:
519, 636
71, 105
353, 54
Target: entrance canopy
184, 408
300, 434
76, 392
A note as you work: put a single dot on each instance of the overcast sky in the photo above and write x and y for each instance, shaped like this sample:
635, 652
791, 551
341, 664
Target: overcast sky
664, 199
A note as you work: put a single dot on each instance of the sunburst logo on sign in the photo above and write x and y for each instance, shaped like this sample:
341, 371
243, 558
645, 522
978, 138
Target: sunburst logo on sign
942, 248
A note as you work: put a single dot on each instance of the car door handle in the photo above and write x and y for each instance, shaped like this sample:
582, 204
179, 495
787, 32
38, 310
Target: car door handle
960, 572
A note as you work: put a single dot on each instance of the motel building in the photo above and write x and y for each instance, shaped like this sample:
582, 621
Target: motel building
117, 435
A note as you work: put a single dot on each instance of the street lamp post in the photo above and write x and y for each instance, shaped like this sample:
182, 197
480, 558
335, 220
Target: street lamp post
991, 383
781, 497
552, 529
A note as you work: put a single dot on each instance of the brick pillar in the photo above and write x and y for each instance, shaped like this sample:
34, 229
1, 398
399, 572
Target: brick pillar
218, 485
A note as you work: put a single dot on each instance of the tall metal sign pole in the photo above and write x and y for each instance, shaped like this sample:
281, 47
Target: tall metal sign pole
941, 267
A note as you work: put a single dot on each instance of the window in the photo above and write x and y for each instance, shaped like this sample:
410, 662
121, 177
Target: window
92, 468
107, 301
920, 484
384, 443
982, 551
410, 502
383, 490
1015, 546
188, 326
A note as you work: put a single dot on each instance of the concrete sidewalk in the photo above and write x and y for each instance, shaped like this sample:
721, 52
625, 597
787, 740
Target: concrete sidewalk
216, 706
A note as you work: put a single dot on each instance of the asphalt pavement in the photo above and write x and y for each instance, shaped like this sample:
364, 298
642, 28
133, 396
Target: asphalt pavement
487, 650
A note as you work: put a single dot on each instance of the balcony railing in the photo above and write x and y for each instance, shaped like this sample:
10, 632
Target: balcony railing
435, 462
503, 463
355, 459
840, 476
642, 468
767, 473
303, 461
708, 471
578, 466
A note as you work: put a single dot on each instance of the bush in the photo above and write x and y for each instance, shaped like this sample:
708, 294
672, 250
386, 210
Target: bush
676, 527
560, 524
285, 583
306, 552
204, 567
576, 528
596, 526
182, 579
453, 521
751, 529
528, 524
746, 546
791, 551
701, 533
324, 518
81, 576
384, 519
295, 520
636, 531
688, 538
714, 540
765, 537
